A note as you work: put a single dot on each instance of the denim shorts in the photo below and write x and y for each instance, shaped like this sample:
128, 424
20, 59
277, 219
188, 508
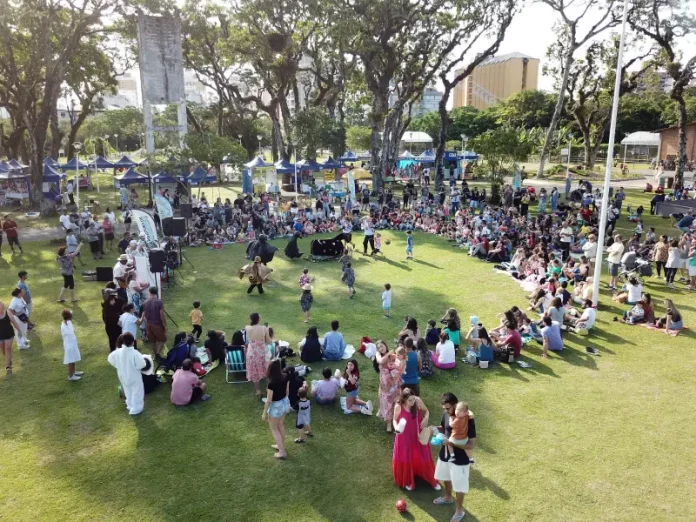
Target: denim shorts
279, 408
352, 394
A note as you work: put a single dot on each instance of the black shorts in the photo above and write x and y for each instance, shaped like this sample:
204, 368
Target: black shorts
13, 241
109, 237
68, 281
196, 395
94, 247
348, 238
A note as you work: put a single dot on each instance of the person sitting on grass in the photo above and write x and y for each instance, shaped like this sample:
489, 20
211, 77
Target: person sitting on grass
187, 388
586, 321
635, 315
334, 343
310, 347
509, 344
551, 334
326, 390
443, 357
672, 320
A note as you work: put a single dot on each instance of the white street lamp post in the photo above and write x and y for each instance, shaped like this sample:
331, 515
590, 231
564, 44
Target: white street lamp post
240, 138
77, 146
610, 159
464, 140
570, 148
118, 153
258, 137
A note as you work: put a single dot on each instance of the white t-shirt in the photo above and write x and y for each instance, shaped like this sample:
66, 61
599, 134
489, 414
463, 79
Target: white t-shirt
590, 249
386, 299
566, 235
69, 188
127, 321
119, 271
65, 221
445, 352
589, 316
634, 292
615, 252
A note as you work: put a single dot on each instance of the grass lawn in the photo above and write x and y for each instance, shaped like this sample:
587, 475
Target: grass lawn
573, 438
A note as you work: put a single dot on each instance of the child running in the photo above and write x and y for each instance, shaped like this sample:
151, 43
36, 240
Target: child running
303, 417
409, 245
378, 244
353, 403
71, 352
196, 320
386, 300
348, 278
305, 278
460, 430
306, 301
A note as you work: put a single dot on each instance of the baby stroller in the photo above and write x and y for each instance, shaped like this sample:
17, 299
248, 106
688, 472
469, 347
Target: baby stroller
634, 266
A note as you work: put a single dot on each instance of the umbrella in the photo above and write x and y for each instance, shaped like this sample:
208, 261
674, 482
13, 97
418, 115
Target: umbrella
358, 174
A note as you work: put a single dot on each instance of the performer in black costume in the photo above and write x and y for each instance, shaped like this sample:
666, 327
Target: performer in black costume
292, 250
261, 248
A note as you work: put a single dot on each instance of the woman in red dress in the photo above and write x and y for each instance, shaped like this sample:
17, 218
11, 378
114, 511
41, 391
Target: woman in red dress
411, 459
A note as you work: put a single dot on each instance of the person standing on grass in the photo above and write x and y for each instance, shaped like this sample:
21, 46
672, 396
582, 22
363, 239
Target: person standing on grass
454, 473
306, 300
26, 295
414, 364
129, 363
71, 352
18, 310
72, 243
155, 321
615, 251
66, 261
7, 334
387, 300
277, 406
369, 230
10, 229
112, 308
409, 245
255, 353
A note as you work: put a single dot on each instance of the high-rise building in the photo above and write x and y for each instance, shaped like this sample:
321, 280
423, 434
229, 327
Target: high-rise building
428, 103
496, 79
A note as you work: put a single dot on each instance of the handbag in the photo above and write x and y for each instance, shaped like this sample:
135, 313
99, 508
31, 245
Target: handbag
424, 434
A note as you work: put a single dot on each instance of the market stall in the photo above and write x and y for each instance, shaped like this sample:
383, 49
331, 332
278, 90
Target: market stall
51, 181
288, 173
14, 184
332, 171
81, 171
131, 177
307, 170
263, 175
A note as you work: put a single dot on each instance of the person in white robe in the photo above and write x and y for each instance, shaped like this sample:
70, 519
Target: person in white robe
128, 363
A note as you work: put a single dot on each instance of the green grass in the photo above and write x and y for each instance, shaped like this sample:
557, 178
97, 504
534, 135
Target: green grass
572, 438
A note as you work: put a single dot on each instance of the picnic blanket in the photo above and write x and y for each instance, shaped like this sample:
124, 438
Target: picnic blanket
673, 333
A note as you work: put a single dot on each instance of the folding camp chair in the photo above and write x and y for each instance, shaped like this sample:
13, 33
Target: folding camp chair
235, 363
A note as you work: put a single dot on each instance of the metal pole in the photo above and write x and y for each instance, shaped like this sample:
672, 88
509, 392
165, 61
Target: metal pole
570, 148
77, 178
610, 160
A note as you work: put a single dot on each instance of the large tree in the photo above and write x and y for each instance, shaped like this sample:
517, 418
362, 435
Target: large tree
590, 86
38, 40
474, 20
666, 22
601, 15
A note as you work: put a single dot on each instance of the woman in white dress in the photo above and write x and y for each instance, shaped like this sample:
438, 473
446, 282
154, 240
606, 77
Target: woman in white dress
71, 352
18, 310
129, 362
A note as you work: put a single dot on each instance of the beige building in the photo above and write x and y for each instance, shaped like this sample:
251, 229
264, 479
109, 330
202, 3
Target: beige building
496, 79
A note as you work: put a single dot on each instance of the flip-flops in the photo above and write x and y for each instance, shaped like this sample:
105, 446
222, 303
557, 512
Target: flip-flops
440, 501
457, 518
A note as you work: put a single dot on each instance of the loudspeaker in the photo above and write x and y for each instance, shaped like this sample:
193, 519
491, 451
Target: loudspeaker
167, 226
179, 227
157, 260
105, 273
186, 210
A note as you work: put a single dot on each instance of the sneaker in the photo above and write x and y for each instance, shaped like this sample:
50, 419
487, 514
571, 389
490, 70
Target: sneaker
74, 377
8, 370
437, 487
369, 406
79, 374
365, 411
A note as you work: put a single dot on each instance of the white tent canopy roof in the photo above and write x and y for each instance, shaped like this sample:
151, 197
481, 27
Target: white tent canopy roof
416, 137
642, 138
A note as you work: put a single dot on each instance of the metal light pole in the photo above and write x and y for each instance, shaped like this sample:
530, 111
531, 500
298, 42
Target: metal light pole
117, 151
77, 146
570, 148
258, 137
105, 142
610, 159
240, 138
464, 140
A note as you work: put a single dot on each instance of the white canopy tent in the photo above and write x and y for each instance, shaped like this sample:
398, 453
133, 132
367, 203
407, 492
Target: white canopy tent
415, 142
640, 146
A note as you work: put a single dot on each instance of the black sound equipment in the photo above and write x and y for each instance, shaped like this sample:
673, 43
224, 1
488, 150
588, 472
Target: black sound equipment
167, 226
178, 227
186, 210
105, 273
157, 259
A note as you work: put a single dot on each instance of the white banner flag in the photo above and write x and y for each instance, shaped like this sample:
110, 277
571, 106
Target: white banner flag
164, 208
146, 225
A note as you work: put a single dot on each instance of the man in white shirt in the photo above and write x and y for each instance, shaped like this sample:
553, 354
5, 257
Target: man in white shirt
587, 320
69, 190
369, 230
66, 222
589, 249
566, 239
615, 251
348, 232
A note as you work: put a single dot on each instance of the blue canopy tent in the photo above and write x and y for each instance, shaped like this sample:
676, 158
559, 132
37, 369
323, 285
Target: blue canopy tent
131, 177
309, 165
364, 156
101, 163
51, 181
331, 164
428, 156
284, 167
5, 167
16, 164
74, 164
469, 155
200, 176
51, 162
348, 157
258, 161
164, 177
125, 163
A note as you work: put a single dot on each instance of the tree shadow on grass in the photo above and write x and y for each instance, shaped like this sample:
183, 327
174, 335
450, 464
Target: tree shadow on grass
425, 263
600, 335
397, 264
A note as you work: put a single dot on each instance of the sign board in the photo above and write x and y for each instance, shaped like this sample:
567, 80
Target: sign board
564, 152
161, 59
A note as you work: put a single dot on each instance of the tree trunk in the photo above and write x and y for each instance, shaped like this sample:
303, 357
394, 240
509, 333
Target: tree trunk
34, 143
380, 105
287, 124
556, 112
681, 157
56, 137
444, 124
